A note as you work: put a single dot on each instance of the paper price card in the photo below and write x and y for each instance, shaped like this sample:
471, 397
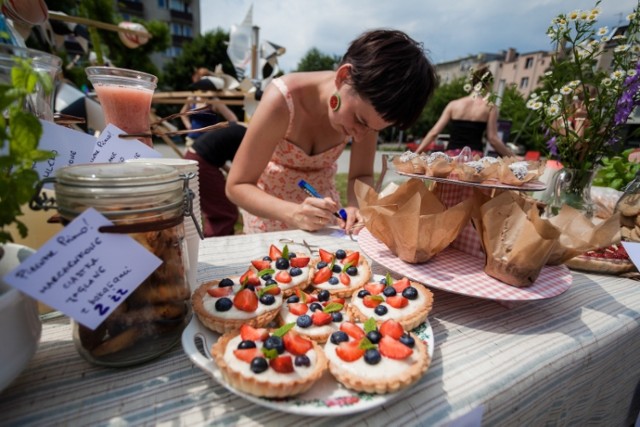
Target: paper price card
110, 148
633, 250
83, 272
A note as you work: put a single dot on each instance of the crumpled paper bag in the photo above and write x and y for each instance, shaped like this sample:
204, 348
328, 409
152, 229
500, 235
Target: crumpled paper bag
579, 234
411, 221
516, 241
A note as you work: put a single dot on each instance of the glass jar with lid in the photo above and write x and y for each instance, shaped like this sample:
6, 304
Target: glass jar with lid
146, 202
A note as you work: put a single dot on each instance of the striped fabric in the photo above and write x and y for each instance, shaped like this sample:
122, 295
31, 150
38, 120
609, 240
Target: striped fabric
573, 359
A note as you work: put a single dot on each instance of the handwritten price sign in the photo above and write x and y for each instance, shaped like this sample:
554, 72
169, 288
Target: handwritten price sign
84, 273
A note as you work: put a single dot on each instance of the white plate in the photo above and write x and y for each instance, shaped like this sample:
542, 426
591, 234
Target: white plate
325, 398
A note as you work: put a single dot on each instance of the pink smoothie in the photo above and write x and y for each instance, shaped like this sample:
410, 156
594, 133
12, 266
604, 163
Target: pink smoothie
126, 107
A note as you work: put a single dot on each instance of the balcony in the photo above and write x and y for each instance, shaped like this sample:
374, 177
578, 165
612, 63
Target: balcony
185, 16
128, 6
178, 40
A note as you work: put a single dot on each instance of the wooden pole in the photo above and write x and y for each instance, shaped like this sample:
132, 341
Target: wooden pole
56, 16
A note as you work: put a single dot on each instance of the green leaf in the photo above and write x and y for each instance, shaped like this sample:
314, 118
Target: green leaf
266, 271
366, 344
388, 279
285, 252
332, 307
347, 265
269, 353
377, 298
370, 325
283, 329
266, 289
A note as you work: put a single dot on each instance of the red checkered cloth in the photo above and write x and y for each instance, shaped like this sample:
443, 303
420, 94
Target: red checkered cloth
458, 272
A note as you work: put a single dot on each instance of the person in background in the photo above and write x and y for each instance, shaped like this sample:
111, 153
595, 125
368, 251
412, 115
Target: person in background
213, 150
468, 119
210, 115
305, 120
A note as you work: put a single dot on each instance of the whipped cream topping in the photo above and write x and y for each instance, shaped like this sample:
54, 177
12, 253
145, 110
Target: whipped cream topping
490, 160
209, 304
519, 169
438, 155
393, 313
244, 368
407, 156
385, 369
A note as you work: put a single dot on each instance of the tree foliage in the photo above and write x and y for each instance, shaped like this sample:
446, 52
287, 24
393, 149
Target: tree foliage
314, 60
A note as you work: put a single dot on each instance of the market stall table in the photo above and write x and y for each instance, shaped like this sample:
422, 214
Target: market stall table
568, 360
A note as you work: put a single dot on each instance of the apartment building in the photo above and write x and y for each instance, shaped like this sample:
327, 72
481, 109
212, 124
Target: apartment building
182, 16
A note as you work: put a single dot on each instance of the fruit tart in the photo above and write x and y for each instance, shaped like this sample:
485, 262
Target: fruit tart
279, 363
289, 270
402, 300
225, 305
341, 273
315, 316
372, 359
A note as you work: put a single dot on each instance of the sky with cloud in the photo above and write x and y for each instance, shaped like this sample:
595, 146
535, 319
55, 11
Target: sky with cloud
448, 29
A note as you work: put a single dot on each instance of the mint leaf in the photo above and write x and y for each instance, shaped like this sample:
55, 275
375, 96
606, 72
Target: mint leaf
347, 265
285, 252
365, 344
266, 271
269, 353
388, 279
370, 325
332, 307
266, 289
283, 329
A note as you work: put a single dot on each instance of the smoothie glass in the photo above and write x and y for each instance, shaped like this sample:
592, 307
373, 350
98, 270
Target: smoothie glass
125, 96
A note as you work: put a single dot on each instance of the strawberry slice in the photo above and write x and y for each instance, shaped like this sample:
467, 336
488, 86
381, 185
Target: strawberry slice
374, 288
283, 276
334, 300
397, 301
261, 264
247, 354
296, 344
274, 252
326, 256
345, 279
353, 330
274, 290
298, 308
250, 278
308, 298
249, 333
282, 364
391, 328
220, 292
352, 258
299, 261
401, 285
246, 300
322, 275
349, 351
393, 349
320, 318
372, 301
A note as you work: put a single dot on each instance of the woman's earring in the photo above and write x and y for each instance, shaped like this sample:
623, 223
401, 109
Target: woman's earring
334, 101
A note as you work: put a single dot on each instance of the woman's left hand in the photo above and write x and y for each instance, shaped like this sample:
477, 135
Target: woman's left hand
354, 220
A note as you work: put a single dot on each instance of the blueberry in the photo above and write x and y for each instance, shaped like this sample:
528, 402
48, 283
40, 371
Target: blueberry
302, 360
259, 364
336, 316
267, 258
267, 299
295, 271
321, 264
381, 310
410, 293
246, 344
292, 299
266, 277
407, 340
333, 280
324, 295
339, 336
315, 306
274, 342
337, 268
363, 293
270, 282
304, 321
292, 255
341, 254
250, 287
374, 336
224, 304
372, 356
389, 291
225, 282
352, 271
383, 281
282, 264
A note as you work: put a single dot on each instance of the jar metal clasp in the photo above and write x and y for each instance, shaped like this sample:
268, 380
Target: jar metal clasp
189, 195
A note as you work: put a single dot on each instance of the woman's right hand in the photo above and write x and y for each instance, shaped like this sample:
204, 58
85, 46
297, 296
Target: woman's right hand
314, 214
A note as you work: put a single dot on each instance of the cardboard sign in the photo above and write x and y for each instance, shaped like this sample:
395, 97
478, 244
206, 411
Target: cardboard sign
83, 272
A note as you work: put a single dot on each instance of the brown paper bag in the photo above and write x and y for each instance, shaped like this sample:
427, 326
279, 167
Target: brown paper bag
516, 241
411, 221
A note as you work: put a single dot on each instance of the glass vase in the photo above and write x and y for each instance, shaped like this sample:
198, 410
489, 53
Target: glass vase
571, 187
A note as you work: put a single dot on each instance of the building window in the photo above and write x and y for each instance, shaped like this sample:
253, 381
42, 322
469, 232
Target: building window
162, 4
529, 63
524, 83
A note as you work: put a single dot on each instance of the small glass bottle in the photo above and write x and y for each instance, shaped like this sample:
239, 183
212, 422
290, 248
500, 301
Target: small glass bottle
145, 201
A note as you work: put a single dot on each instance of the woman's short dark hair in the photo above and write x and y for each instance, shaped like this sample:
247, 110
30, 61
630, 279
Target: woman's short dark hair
391, 71
484, 76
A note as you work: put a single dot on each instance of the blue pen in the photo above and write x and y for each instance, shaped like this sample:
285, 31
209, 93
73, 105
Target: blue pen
307, 188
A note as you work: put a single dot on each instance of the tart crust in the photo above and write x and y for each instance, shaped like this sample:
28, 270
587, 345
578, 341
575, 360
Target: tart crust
222, 325
408, 322
344, 376
339, 290
263, 388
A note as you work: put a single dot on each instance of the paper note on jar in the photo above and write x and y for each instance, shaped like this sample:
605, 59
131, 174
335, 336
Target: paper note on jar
110, 148
84, 273
633, 250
